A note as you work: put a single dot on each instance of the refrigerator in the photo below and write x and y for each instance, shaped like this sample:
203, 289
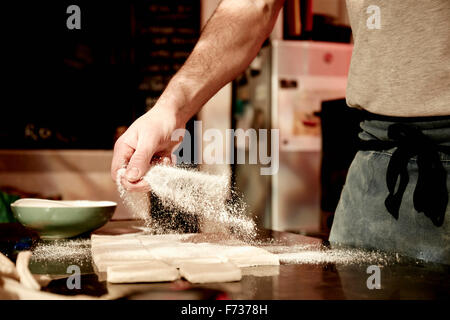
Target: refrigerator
284, 88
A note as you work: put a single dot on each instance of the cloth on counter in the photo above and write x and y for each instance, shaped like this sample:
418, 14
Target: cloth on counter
8, 268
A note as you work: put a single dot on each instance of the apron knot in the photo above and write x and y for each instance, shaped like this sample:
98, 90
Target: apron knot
430, 194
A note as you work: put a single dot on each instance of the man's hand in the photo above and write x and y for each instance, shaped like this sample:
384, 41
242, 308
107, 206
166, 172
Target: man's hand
225, 48
147, 141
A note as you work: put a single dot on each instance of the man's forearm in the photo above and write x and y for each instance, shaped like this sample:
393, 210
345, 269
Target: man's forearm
227, 45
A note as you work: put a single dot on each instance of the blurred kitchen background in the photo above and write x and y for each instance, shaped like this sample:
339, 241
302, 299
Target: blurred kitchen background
69, 94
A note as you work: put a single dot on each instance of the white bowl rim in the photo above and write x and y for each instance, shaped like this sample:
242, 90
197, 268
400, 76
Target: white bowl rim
28, 203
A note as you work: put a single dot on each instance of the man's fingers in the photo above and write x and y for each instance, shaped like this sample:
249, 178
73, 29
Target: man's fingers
165, 158
140, 186
121, 157
140, 160
168, 159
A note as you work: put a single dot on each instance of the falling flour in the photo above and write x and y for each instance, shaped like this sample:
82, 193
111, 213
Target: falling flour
205, 196
202, 195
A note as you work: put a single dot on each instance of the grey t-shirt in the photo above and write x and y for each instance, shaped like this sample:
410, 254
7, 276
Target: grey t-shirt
401, 57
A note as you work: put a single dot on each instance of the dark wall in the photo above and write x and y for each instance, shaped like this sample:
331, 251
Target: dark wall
72, 88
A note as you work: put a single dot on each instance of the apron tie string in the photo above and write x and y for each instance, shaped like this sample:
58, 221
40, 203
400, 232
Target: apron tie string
430, 194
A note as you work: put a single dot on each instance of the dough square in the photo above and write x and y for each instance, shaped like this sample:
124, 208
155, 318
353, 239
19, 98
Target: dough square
203, 260
170, 237
167, 251
210, 272
249, 256
151, 271
102, 265
267, 259
102, 238
113, 243
122, 254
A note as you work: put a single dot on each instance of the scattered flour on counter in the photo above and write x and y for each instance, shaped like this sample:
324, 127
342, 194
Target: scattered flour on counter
288, 255
194, 192
322, 254
77, 251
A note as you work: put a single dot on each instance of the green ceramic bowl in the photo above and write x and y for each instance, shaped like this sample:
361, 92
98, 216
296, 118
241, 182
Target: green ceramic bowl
62, 219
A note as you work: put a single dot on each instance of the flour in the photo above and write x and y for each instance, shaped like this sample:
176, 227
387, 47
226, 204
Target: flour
310, 254
330, 256
205, 196
77, 251
197, 193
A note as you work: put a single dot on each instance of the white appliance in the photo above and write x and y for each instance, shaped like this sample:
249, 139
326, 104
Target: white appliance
292, 80
304, 73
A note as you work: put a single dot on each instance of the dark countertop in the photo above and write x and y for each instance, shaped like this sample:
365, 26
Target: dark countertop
406, 279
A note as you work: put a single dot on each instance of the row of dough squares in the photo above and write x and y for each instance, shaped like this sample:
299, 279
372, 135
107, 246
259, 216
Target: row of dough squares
138, 257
